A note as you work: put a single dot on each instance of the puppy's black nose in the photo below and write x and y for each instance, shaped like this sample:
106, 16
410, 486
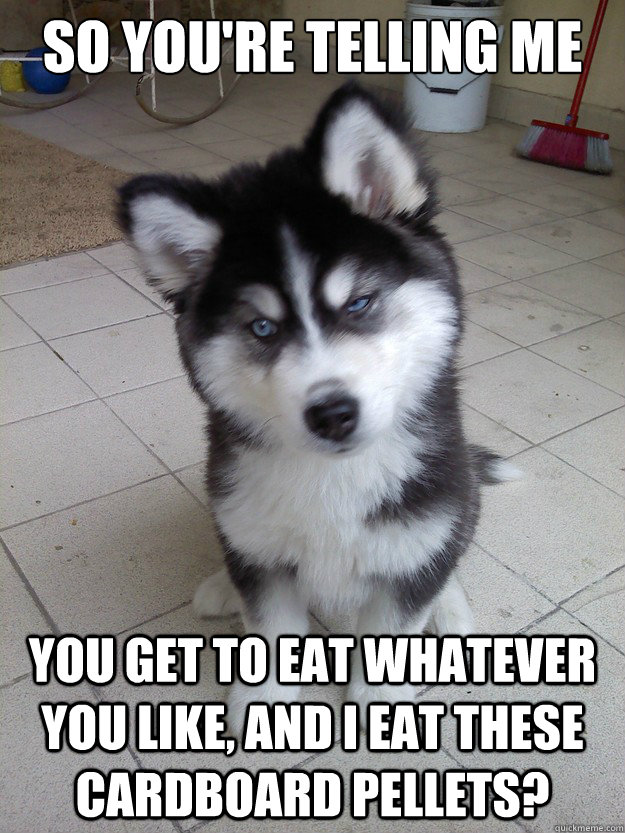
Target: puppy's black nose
333, 419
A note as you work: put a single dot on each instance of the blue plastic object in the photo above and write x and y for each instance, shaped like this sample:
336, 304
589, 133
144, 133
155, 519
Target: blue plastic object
39, 78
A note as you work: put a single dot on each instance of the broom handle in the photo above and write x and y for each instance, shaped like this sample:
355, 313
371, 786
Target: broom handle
571, 119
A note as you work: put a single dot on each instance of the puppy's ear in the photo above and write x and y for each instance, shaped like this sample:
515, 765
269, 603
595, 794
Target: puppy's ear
171, 224
364, 153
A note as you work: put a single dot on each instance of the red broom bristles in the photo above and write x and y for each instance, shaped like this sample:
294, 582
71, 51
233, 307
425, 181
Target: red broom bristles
566, 147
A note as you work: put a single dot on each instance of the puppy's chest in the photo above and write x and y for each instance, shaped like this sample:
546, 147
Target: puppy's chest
280, 509
312, 515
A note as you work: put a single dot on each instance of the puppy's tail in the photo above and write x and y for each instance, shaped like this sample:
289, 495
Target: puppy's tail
491, 468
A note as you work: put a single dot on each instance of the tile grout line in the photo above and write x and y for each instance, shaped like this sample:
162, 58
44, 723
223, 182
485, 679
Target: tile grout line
151, 451
163, 613
557, 605
592, 584
501, 425
17, 347
600, 317
541, 447
540, 443
148, 131
104, 402
30, 589
575, 373
163, 309
521, 281
10, 309
563, 251
599, 636
515, 349
15, 681
97, 399
162, 312
186, 141
60, 283
108, 272
133, 154
599, 320
5, 295
89, 330
202, 505
16, 525
524, 579
487, 200
521, 277
513, 196
47, 413
167, 473
539, 619
542, 177
579, 471
112, 271
97, 396
467, 292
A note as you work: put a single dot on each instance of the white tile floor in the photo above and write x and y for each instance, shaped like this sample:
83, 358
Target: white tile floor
105, 527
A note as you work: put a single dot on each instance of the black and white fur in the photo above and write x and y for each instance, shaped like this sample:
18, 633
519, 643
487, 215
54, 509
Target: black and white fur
372, 509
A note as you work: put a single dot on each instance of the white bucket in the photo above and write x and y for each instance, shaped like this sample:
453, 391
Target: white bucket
446, 102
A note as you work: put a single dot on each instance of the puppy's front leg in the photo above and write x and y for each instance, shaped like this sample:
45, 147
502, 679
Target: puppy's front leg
273, 607
383, 615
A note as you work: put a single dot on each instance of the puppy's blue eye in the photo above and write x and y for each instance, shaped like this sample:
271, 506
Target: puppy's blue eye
263, 328
359, 304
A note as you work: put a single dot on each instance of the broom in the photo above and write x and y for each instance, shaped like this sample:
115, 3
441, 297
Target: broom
567, 145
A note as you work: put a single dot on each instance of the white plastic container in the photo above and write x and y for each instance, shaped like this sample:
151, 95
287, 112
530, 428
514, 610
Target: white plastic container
446, 102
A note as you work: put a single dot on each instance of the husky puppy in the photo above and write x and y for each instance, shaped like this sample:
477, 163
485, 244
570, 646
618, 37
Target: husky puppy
318, 315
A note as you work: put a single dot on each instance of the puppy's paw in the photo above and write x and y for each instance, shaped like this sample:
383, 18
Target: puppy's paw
452, 621
451, 612
364, 694
242, 695
216, 596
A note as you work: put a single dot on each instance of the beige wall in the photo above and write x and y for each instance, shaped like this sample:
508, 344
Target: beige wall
606, 85
301, 10
22, 22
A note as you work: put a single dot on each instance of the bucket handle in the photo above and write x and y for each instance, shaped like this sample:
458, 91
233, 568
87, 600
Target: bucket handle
450, 90
446, 90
